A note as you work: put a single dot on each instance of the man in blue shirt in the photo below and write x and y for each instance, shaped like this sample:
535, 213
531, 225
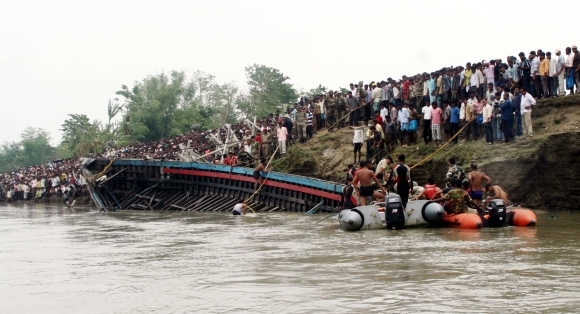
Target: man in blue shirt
454, 120
507, 115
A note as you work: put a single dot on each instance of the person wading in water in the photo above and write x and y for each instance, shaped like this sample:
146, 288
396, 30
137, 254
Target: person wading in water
401, 174
240, 209
366, 176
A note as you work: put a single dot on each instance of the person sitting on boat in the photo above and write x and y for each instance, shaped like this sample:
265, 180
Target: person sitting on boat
365, 177
494, 192
240, 209
475, 178
457, 201
348, 199
430, 190
257, 175
453, 184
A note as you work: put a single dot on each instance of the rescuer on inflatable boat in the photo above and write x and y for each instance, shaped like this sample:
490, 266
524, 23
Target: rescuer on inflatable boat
366, 177
348, 199
402, 175
457, 201
429, 192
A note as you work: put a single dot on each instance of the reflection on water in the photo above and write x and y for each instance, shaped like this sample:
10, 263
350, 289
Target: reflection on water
76, 261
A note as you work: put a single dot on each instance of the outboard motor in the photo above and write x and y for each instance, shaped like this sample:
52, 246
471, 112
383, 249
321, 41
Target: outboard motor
394, 212
497, 213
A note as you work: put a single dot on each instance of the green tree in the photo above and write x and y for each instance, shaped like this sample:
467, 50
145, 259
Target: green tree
269, 90
10, 156
320, 90
36, 147
154, 104
83, 136
223, 99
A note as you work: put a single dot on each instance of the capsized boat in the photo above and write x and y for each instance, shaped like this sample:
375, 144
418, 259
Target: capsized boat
391, 215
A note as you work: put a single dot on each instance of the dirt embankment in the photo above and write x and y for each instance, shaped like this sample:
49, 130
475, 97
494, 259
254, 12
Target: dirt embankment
539, 172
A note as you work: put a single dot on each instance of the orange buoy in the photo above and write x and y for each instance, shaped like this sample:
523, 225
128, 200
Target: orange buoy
522, 217
463, 221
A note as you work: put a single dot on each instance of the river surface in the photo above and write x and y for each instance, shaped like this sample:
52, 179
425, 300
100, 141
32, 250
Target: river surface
57, 260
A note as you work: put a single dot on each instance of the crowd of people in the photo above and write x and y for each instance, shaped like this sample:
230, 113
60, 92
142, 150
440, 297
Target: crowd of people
60, 178
491, 99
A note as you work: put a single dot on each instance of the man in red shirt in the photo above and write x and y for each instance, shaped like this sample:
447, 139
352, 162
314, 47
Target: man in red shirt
232, 159
378, 117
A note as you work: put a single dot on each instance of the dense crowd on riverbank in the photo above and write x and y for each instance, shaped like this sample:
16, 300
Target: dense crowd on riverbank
59, 178
489, 98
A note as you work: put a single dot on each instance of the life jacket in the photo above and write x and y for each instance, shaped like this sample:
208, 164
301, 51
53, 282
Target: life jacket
430, 190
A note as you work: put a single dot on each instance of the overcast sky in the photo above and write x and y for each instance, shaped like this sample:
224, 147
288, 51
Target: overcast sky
61, 57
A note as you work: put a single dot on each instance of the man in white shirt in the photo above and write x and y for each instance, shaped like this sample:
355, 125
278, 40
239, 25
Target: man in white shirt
487, 115
552, 74
403, 115
377, 94
535, 70
282, 134
560, 68
357, 140
526, 110
427, 133
384, 112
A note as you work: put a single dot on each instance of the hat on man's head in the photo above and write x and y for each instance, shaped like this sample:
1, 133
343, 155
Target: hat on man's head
574, 47
557, 51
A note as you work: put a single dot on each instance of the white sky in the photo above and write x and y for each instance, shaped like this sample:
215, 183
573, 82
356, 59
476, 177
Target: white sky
61, 57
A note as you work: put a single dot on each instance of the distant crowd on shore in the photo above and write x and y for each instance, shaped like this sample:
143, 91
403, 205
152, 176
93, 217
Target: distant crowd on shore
488, 98
60, 178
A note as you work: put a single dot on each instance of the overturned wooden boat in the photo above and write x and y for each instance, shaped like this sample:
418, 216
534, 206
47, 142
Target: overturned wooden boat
136, 184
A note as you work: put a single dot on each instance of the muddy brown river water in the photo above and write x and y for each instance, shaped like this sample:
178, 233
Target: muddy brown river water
57, 260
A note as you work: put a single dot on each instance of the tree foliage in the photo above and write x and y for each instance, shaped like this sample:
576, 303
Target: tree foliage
33, 149
269, 90
156, 107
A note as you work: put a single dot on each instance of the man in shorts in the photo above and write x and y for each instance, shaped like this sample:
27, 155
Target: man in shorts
366, 177
475, 177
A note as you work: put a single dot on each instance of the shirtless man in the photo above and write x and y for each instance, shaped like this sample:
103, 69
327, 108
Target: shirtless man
495, 191
366, 177
475, 177
257, 175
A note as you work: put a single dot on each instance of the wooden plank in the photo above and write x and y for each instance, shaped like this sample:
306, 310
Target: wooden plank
315, 209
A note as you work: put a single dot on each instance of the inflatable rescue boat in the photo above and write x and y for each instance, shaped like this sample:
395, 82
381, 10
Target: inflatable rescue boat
392, 215
498, 216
